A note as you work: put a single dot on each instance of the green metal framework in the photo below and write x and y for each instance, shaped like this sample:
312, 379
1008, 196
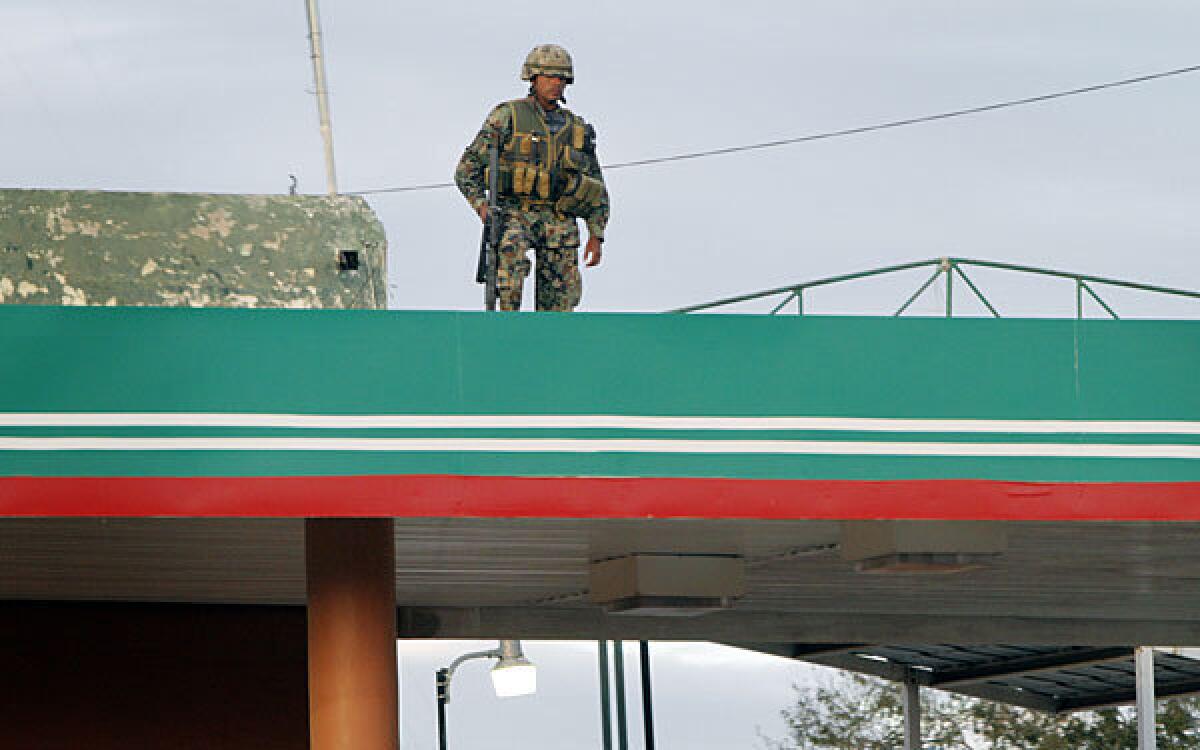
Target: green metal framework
947, 268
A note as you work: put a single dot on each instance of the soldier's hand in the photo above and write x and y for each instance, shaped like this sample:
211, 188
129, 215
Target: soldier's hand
592, 253
483, 212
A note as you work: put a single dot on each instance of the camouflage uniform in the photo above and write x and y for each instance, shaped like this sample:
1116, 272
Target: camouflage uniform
543, 223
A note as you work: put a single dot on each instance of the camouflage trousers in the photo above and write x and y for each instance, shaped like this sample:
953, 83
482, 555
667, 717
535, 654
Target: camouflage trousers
553, 241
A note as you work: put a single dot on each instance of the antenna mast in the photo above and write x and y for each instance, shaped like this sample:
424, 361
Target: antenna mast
314, 41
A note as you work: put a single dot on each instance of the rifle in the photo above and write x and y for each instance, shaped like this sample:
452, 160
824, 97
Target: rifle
489, 243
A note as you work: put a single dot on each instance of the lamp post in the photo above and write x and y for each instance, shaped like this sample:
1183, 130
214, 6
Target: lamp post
513, 675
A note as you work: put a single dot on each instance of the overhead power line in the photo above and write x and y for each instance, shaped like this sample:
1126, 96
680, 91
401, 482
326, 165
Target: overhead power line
847, 131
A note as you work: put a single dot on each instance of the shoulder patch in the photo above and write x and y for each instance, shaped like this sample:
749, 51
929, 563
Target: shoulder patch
500, 116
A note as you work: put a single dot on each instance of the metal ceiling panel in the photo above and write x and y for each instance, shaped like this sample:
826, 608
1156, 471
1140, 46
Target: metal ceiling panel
1050, 679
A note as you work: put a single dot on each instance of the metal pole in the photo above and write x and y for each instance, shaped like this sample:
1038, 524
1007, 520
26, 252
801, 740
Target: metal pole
1084, 277
918, 293
1092, 293
971, 285
619, 678
443, 683
507, 649
912, 715
948, 266
1144, 676
647, 705
318, 59
605, 696
782, 304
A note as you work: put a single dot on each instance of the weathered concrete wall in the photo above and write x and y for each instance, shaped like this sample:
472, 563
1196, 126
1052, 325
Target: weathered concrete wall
74, 247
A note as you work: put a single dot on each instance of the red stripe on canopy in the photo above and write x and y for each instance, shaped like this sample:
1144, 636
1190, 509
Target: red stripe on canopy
572, 497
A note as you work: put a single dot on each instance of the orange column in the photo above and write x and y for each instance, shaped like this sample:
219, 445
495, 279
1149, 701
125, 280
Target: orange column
351, 634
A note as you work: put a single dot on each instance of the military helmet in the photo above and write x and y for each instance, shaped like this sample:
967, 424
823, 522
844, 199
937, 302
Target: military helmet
548, 60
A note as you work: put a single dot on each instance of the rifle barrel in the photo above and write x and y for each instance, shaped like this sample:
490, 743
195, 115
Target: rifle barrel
492, 227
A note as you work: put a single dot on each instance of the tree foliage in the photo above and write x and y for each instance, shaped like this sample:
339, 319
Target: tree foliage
862, 713
853, 712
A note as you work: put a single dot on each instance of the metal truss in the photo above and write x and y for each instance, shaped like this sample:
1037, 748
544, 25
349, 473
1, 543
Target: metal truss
946, 269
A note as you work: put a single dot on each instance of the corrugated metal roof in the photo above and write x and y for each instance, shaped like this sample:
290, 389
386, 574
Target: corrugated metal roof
1043, 678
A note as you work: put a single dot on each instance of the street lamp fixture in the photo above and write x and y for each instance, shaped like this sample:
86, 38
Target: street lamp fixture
513, 675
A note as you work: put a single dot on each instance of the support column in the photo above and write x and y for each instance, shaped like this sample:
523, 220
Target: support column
619, 679
605, 696
647, 699
912, 715
352, 691
1144, 676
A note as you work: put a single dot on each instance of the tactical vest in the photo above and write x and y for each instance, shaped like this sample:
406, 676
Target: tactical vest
540, 169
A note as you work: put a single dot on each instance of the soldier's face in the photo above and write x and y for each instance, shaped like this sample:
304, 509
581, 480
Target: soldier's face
548, 88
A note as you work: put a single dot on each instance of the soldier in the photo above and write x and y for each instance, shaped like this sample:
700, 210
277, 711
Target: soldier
549, 176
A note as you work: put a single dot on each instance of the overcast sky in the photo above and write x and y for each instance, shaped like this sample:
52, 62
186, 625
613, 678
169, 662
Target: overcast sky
704, 696
215, 96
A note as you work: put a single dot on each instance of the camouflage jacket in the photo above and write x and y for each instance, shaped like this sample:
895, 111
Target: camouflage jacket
469, 175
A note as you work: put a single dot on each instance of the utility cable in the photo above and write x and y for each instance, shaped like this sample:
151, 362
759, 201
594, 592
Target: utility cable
847, 131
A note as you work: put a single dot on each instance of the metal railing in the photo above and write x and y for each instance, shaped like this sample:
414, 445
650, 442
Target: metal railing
947, 269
